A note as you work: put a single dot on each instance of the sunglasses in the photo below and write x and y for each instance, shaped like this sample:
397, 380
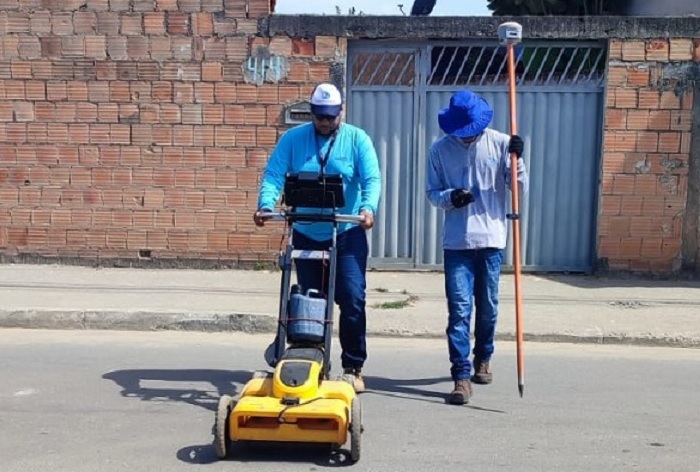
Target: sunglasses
325, 117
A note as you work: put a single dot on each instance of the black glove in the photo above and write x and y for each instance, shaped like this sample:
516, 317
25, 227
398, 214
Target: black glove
516, 145
461, 197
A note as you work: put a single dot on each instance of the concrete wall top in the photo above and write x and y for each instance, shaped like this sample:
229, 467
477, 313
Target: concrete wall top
552, 27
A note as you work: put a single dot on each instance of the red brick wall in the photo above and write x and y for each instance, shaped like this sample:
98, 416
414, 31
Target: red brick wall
645, 162
129, 125
135, 126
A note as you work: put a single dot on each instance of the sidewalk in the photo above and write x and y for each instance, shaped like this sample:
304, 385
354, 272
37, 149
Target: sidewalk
556, 308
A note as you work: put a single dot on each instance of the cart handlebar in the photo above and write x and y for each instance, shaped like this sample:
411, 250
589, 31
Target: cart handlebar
311, 217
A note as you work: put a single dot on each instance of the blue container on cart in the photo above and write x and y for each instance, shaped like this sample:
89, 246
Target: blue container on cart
307, 315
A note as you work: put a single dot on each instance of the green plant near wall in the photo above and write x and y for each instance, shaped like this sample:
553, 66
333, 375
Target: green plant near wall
552, 7
352, 11
538, 7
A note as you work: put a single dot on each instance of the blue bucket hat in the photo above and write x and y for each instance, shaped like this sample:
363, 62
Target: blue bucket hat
468, 115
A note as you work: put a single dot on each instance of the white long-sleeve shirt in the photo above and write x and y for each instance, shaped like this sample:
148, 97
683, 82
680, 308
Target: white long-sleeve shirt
483, 168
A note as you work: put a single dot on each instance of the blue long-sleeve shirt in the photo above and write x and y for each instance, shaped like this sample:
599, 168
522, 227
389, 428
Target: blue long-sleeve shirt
484, 168
352, 156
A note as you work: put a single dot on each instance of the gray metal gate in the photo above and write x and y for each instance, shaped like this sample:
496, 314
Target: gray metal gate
395, 92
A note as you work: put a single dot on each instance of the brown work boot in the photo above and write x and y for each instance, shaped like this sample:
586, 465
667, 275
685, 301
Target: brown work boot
461, 393
354, 377
482, 373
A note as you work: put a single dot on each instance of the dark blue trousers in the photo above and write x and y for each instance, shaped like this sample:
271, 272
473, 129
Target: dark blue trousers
350, 287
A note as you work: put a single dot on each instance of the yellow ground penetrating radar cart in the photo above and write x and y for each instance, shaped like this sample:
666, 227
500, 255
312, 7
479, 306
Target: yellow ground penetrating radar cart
298, 402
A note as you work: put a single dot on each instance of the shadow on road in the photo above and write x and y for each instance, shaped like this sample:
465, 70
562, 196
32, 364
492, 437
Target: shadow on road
204, 390
409, 389
406, 388
319, 455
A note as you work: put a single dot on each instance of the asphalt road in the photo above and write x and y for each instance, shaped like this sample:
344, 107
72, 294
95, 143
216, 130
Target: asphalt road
122, 401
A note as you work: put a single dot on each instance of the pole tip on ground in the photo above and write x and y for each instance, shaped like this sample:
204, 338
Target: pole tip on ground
521, 389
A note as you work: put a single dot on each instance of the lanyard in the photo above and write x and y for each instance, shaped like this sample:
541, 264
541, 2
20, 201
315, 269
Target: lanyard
323, 160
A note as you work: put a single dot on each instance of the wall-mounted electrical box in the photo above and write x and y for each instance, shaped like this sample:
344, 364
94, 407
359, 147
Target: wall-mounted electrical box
297, 113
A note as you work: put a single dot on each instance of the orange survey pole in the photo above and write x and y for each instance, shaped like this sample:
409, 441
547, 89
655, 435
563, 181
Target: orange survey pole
510, 34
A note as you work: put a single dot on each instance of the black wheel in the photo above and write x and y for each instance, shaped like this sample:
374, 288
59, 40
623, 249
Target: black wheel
222, 441
355, 429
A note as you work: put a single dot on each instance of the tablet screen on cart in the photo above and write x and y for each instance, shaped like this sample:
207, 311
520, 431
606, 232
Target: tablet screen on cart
313, 190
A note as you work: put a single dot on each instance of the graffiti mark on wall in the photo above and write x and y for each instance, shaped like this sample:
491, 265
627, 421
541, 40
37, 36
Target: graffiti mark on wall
263, 66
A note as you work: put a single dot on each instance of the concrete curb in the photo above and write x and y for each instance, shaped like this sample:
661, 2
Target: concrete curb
136, 321
143, 320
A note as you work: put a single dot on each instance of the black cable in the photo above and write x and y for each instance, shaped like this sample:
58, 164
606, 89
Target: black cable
284, 232
324, 160
284, 410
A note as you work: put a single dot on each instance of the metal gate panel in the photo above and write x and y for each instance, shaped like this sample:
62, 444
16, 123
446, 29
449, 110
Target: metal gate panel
388, 118
382, 102
541, 64
396, 99
561, 133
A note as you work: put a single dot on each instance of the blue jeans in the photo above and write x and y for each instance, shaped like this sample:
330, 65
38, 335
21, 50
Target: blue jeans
350, 287
471, 274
